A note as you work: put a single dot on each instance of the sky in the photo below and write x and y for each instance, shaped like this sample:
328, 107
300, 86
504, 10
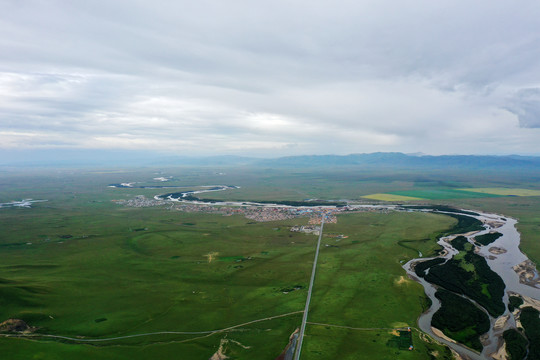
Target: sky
271, 78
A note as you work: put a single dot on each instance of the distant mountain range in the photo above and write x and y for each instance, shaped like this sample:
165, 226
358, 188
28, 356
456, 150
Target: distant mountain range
93, 158
401, 160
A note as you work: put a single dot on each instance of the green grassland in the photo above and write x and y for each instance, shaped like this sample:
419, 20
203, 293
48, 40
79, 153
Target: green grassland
160, 280
325, 342
358, 286
69, 263
81, 266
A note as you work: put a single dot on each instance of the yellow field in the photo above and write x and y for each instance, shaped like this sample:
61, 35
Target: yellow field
391, 197
505, 191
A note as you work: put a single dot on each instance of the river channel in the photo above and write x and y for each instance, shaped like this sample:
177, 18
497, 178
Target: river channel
502, 264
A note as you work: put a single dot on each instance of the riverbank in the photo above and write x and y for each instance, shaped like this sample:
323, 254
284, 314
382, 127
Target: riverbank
504, 258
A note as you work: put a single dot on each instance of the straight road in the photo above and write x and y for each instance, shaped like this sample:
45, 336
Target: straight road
310, 289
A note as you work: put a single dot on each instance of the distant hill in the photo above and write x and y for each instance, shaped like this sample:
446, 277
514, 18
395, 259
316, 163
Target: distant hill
121, 158
395, 160
400, 160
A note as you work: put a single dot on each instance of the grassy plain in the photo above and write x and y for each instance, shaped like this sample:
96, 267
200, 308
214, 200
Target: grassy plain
81, 266
89, 260
361, 284
148, 281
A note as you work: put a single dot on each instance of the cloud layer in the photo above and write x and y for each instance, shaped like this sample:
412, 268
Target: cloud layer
271, 78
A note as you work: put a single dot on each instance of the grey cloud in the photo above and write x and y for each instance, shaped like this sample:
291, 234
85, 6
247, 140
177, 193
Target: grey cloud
526, 105
363, 75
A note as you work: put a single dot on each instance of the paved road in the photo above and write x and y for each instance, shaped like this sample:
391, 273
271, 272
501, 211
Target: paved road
310, 289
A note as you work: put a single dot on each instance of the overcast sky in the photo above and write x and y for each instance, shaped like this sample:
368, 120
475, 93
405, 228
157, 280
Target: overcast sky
271, 78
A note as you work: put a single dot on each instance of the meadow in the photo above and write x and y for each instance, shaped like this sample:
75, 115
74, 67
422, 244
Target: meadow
84, 267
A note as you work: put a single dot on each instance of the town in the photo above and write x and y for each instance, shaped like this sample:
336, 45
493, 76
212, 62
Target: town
256, 213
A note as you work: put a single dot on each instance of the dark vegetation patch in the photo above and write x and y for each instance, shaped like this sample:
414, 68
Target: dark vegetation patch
403, 341
189, 224
235, 258
465, 224
421, 267
32, 267
460, 319
459, 243
175, 257
13, 245
530, 320
67, 236
304, 203
14, 325
514, 302
6, 281
140, 229
16, 295
100, 320
516, 344
441, 208
291, 288
481, 284
487, 239
34, 289
277, 202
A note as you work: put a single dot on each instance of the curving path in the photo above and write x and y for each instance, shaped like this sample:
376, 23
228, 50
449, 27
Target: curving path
209, 332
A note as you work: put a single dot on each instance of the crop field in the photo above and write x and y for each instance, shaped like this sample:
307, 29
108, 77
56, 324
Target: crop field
429, 194
391, 197
446, 194
505, 191
442, 194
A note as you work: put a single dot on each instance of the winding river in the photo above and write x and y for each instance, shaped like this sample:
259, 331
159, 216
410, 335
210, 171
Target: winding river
502, 264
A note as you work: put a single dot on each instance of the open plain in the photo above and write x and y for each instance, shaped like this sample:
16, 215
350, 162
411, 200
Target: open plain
97, 279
